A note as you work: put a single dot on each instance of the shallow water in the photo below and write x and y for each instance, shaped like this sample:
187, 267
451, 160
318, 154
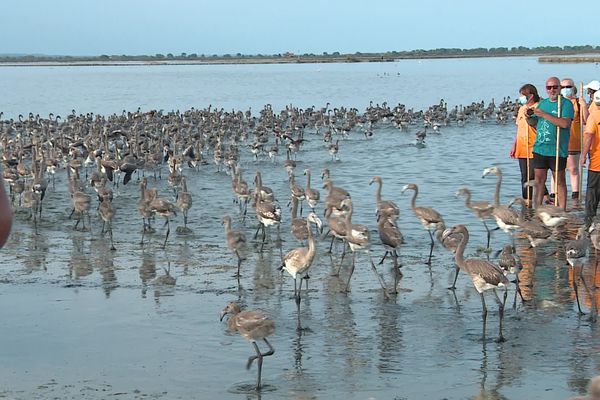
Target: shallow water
81, 321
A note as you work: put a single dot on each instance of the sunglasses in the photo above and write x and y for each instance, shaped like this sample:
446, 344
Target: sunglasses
567, 87
552, 87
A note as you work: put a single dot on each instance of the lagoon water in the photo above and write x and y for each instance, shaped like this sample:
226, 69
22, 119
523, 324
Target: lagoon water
81, 321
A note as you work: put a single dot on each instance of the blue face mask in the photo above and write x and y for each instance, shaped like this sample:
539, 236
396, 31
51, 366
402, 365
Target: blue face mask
566, 92
522, 99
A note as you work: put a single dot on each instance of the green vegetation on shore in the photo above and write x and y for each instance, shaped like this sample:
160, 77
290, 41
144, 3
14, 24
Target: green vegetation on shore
286, 58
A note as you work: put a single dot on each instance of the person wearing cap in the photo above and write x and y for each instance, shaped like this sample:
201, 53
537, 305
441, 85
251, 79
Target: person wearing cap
591, 88
549, 119
591, 146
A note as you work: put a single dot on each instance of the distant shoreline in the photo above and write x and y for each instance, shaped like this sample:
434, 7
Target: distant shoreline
569, 59
286, 59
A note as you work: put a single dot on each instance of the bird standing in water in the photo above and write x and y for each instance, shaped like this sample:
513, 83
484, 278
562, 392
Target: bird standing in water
484, 274
253, 326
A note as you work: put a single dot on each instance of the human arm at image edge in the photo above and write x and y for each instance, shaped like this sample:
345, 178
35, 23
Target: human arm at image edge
5, 215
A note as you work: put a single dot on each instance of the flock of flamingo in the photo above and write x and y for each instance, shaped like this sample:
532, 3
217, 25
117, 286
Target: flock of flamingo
99, 153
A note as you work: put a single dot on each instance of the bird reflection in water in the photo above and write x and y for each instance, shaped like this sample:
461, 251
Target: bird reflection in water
528, 257
164, 285
35, 257
298, 350
109, 278
184, 256
342, 345
263, 279
80, 265
512, 360
390, 334
486, 393
590, 275
578, 361
147, 270
593, 392
104, 261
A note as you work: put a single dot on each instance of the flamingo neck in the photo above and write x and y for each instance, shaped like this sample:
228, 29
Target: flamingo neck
348, 220
413, 201
295, 208
312, 246
460, 250
497, 193
467, 198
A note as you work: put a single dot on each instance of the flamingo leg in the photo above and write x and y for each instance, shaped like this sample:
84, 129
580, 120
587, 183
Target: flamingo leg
457, 269
351, 272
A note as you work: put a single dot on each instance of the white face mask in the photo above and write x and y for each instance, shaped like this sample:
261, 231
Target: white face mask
522, 99
566, 92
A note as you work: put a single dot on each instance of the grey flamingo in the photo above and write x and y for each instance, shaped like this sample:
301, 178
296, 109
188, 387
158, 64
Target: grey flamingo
235, 241
484, 275
427, 215
253, 326
384, 207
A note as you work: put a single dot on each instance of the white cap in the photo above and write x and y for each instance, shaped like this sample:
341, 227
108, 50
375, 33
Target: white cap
594, 85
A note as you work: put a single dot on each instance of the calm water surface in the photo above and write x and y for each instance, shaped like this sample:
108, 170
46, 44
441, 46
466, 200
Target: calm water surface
80, 321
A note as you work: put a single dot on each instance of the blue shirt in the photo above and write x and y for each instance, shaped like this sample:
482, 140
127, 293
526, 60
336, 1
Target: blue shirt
545, 140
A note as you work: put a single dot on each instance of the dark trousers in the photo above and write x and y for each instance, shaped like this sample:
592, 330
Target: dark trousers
524, 178
592, 196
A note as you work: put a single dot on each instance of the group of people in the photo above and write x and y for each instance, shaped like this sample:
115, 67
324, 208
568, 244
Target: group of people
559, 133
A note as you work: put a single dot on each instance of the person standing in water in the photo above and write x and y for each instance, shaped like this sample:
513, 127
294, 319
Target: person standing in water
569, 91
551, 118
522, 148
591, 147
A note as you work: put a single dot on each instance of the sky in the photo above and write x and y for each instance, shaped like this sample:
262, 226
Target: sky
147, 27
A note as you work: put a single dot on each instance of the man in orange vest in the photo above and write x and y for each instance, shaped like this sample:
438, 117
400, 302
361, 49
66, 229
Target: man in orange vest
591, 146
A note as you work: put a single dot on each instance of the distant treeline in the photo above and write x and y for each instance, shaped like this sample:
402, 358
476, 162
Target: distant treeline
289, 57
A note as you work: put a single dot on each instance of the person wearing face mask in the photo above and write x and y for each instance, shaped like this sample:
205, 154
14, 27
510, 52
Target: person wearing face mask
551, 118
523, 145
569, 91
591, 146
